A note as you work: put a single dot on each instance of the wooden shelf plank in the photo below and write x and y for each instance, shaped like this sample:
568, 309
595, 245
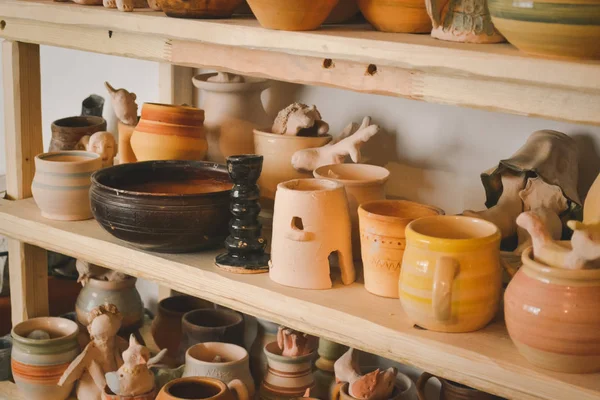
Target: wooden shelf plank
492, 77
347, 314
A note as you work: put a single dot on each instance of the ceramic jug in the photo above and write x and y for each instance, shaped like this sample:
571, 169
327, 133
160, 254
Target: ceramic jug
233, 363
286, 376
233, 111
452, 390
198, 388
208, 325
450, 279
67, 132
310, 222
266, 332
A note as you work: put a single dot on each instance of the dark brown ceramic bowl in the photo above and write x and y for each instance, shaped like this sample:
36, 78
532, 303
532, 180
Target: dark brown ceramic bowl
164, 206
199, 8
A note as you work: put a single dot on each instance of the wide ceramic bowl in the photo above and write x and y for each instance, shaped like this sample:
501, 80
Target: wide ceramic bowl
292, 15
405, 16
164, 206
199, 8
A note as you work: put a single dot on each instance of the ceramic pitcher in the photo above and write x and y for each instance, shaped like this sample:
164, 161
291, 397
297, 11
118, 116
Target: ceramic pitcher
286, 376
452, 390
451, 278
197, 388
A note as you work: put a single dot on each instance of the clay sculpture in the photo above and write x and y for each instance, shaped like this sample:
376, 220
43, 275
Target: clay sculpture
298, 119
376, 385
89, 271
102, 143
124, 104
294, 344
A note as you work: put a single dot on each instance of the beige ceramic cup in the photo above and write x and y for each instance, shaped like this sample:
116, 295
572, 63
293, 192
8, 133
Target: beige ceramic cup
382, 224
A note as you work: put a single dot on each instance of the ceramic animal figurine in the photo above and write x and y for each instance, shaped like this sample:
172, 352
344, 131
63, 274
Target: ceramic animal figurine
466, 21
298, 119
124, 105
376, 385
102, 143
101, 355
351, 140
89, 271
294, 344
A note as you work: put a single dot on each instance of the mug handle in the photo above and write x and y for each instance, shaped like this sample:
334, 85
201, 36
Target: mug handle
240, 390
421, 382
446, 270
336, 391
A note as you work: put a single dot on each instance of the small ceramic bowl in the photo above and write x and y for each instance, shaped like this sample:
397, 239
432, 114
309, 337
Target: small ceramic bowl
398, 16
199, 8
292, 15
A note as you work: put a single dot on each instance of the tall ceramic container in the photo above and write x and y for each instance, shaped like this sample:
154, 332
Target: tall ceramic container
266, 332
37, 365
451, 278
233, 111
62, 182
286, 377
552, 316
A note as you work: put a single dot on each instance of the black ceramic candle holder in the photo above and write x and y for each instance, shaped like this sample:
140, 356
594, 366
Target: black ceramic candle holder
245, 245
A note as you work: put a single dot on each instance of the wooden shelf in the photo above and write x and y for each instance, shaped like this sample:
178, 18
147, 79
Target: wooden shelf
347, 314
492, 77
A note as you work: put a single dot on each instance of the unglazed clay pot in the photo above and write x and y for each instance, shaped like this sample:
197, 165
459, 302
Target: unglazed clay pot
166, 327
233, 111
382, 238
126, 154
277, 151
287, 377
208, 325
551, 316
451, 280
407, 16
37, 365
452, 390
167, 132
233, 363
62, 182
566, 28
67, 132
362, 183
199, 8
122, 294
343, 11
292, 15
197, 388
266, 332
311, 221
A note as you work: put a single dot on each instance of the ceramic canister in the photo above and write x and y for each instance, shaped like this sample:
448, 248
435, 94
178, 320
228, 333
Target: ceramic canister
62, 182
362, 183
197, 388
451, 280
208, 325
452, 390
37, 365
233, 363
286, 376
552, 316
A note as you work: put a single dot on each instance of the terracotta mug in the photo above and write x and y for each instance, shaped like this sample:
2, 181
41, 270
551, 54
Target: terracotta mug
209, 325
382, 226
452, 390
198, 388
451, 278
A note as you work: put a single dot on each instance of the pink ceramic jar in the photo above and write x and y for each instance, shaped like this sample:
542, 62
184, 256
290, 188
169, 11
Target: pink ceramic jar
552, 316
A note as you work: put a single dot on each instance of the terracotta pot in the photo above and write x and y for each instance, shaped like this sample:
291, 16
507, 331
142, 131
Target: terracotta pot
403, 390
292, 15
37, 365
234, 363
362, 183
382, 227
551, 316
66, 132
311, 221
266, 332
406, 16
126, 154
122, 294
451, 280
566, 28
167, 132
233, 111
286, 376
61, 184
107, 394
343, 11
201, 326
199, 8
166, 327
277, 151
452, 390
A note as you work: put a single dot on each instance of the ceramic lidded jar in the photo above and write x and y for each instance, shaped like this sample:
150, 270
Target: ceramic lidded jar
552, 316
399, 16
209, 325
233, 110
67, 132
450, 279
286, 376
168, 132
62, 182
38, 365
195, 387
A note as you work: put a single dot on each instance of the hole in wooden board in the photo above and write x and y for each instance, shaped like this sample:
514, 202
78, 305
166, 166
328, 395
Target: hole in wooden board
110, 34
328, 63
2, 25
419, 327
297, 223
371, 69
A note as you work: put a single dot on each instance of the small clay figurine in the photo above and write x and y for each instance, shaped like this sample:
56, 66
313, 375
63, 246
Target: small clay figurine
101, 355
348, 144
294, 344
102, 143
298, 119
124, 105
89, 271
376, 385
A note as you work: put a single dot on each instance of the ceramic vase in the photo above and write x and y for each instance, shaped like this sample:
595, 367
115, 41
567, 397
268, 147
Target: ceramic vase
452, 390
126, 154
5, 350
37, 365
363, 183
122, 294
62, 182
209, 325
292, 15
234, 363
382, 238
167, 132
108, 395
450, 279
344, 10
166, 326
324, 373
233, 111
399, 16
551, 316
266, 332
310, 223
277, 151
67, 132
287, 377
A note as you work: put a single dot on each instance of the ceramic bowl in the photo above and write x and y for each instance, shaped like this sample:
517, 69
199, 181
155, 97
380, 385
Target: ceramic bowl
343, 11
199, 8
399, 16
66, 132
292, 15
164, 206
